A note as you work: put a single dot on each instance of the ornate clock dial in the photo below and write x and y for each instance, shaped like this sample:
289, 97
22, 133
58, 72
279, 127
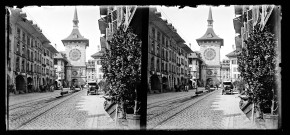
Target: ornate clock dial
75, 73
209, 72
209, 54
75, 54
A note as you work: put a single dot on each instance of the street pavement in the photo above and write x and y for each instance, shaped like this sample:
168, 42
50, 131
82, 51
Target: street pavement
75, 111
210, 110
21, 98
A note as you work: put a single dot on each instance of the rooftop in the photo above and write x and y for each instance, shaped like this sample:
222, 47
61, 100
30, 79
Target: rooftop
233, 54
98, 54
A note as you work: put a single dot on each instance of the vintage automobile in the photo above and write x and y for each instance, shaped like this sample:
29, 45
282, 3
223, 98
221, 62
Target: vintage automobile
227, 87
92, 88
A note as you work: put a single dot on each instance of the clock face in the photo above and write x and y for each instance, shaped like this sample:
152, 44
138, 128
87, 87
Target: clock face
209, 72
75, 54
209, 54
75, 73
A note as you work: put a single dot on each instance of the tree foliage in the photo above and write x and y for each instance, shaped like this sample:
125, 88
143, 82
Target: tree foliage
121, 65
257, 66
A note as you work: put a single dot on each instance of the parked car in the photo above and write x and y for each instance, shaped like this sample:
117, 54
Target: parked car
227, 87
92, 88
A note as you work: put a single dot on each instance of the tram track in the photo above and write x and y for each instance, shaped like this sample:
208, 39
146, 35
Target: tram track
48, 105
170, 116
34, 101
167, 101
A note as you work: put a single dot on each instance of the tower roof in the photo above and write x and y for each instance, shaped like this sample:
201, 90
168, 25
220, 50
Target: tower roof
233, 54
210, 34
75, 35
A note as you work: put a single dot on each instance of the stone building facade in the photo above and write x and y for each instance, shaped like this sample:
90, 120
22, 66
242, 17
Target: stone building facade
30, 55
167, 55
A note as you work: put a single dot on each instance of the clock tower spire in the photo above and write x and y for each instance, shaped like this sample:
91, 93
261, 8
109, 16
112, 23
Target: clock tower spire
210, 20
75, 20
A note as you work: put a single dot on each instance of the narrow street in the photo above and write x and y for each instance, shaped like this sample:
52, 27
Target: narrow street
206, 111
72, 111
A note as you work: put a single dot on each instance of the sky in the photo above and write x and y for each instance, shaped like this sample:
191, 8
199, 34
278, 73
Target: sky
191, 23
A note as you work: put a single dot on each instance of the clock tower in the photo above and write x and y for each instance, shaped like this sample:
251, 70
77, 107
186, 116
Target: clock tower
75, 49
210, 45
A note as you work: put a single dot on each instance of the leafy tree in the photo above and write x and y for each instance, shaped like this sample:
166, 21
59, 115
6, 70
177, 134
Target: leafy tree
122, 66
257, 67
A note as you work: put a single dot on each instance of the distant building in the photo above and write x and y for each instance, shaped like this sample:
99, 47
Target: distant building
234, 73
225, 70
98, 66
195, 63
60, 65
91, 72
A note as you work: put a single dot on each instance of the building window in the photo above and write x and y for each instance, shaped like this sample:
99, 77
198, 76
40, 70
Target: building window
153, 33
152, 46
234, 62
166, 67
166, 55
17, 64
18, 33
23, 37
157, 50
28, 41
162, 53
23, 67
157, 65
158, 36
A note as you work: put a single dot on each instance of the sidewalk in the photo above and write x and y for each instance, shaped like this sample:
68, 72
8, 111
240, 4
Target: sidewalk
236, 117
20, 98
153, 98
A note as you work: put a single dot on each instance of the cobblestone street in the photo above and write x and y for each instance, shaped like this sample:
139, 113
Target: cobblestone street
206, 111
74, 111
